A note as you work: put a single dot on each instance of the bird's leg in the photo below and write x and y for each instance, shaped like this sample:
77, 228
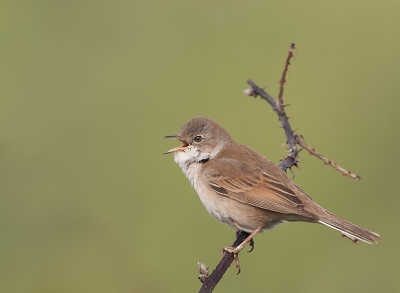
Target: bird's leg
249, 238
237, 249
238, 233
251, 243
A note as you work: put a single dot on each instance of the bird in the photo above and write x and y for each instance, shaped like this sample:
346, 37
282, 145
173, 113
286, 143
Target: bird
244, 190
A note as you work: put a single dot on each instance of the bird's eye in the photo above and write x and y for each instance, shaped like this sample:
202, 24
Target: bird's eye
198, 138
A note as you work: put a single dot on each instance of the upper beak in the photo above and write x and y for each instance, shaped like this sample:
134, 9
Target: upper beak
180, 148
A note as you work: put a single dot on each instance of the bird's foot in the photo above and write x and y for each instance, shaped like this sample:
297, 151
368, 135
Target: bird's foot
235, 251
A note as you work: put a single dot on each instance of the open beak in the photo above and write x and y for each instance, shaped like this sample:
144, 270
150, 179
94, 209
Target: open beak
177, 149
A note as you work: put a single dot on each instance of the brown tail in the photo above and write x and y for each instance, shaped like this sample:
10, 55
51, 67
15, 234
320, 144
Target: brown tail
349, 230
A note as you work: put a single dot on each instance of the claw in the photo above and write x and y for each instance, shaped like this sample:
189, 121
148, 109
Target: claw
235, 250
251, 243
236, 257
235, 253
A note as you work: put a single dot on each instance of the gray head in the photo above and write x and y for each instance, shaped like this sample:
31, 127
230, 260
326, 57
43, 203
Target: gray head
202, 139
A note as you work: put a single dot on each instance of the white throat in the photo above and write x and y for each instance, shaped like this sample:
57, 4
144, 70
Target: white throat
190, 161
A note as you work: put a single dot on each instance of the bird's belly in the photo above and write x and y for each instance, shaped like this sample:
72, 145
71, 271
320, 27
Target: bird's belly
240, 216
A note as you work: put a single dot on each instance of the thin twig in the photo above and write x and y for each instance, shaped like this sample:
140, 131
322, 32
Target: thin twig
278, 106
285, 70
292, 139
326, 161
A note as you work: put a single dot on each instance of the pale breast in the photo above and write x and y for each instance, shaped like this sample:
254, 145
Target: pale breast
210, 200
238, 215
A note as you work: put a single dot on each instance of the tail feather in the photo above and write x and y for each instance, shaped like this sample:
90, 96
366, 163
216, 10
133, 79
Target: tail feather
349, 230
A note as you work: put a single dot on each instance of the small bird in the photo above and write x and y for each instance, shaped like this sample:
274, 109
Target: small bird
243, 189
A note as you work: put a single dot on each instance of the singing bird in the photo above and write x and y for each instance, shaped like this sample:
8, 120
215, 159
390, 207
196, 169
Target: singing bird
243, 189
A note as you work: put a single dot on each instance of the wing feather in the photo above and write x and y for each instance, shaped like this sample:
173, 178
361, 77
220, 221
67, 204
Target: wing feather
252, 185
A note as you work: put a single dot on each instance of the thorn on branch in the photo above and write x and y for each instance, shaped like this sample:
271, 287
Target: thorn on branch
325, 160
292, 139
285, 70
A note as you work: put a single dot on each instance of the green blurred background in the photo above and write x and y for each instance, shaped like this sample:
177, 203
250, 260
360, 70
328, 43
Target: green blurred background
89, 88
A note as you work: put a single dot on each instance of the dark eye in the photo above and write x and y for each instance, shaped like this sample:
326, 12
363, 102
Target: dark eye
198, 138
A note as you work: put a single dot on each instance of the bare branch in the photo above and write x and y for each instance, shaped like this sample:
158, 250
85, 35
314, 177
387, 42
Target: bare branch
278, 106
312, 151
292, 139
292, 158
212, 280
285, 70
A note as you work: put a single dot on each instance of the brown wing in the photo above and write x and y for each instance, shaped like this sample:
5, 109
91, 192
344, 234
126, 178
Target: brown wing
260, 185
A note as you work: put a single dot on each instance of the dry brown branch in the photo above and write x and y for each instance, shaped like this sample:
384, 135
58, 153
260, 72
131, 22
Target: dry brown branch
212, 280
292, 158
326, 161
292, 139
278, 106
285, 70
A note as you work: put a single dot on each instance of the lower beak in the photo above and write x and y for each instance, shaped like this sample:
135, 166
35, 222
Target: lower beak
177, 149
